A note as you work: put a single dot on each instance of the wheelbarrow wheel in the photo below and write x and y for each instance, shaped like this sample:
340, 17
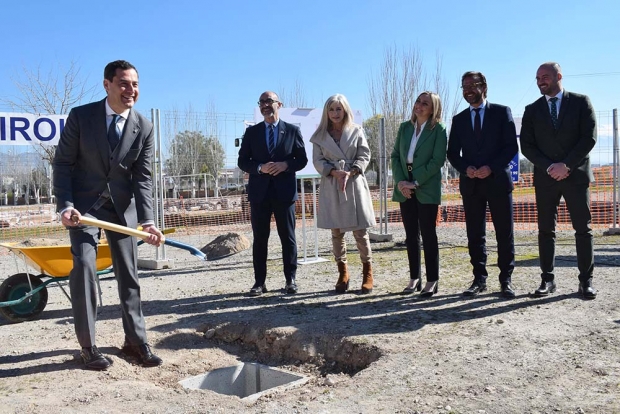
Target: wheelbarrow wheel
16, 287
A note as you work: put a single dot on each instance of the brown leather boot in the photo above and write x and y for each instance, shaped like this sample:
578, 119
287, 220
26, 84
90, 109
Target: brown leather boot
343, 278
367, 280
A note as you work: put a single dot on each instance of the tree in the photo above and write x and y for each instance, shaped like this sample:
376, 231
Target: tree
401, 78
525, 166
295, 97
214, 157
371, 130
53, 91
191, 153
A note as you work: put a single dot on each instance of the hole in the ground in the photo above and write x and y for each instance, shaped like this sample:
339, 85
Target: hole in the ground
289, 345
248, 381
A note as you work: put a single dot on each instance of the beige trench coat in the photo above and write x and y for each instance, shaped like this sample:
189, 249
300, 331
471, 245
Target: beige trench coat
351, 209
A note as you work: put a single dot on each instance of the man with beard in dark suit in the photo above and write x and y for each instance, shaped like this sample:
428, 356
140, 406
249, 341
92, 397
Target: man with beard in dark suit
557, 134
482, 143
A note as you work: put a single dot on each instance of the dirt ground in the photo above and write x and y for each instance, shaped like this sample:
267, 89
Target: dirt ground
382, 352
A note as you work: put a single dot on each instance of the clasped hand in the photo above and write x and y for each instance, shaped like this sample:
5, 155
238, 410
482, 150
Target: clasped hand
482, 172
558, 171
274, 168
342, 177
406, 188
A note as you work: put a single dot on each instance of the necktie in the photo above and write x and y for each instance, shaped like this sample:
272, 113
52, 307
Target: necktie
272, 139
477, 125
554, 112
114, 135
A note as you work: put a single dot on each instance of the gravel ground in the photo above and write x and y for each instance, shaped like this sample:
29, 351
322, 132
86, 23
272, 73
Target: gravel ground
362, 353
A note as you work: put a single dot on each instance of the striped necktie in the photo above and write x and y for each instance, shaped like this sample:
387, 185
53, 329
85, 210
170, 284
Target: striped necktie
272, 139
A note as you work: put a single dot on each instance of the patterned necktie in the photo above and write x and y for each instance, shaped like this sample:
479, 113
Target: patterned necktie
272, 139
554, 112
477, 125
114, 136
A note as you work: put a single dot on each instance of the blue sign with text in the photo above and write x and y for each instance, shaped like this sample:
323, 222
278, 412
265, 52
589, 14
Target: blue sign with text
514, 168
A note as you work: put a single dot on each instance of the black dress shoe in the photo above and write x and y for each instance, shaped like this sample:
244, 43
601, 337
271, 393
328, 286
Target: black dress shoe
94, 359
545, 288
291, 287
475, 289
587, 291
507, 290
143, 354
257, 290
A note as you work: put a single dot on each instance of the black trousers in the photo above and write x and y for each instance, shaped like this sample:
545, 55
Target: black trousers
284, 213
500, 206
421, 219
577, 197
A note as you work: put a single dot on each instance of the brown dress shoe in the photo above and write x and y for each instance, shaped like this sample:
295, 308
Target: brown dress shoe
143, 354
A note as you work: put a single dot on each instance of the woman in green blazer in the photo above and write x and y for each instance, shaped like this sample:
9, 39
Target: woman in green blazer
418, 155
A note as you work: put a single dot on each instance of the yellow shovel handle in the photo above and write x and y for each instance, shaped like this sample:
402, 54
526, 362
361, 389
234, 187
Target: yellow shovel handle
117, 228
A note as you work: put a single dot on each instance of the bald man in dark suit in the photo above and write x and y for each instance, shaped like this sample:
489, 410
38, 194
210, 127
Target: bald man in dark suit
557, 134
271, 153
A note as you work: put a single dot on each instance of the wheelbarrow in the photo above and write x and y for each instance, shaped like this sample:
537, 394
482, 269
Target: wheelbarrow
23, 296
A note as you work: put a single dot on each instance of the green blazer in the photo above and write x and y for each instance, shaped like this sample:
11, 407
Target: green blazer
428, 158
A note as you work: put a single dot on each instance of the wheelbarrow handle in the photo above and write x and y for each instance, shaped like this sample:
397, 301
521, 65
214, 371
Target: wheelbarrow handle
89, 221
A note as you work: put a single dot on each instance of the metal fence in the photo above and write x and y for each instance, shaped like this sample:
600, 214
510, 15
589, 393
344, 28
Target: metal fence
200, 207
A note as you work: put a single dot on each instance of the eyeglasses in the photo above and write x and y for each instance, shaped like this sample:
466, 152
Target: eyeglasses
267, 102
471, 86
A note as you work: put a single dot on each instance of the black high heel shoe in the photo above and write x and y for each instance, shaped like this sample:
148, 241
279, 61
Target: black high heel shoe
416, 286
430, 292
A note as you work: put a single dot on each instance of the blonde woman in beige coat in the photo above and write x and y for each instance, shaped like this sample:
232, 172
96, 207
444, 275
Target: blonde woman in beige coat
341, 155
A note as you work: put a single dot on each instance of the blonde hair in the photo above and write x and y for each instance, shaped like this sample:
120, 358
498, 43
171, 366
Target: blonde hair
436, 115
325, 123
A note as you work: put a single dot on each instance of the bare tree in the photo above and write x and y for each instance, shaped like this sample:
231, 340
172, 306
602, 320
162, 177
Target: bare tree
53, 91
294, 97
402, 76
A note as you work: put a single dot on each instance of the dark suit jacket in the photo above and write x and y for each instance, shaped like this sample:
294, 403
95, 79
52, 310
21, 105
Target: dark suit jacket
496, 149
253, 151
571, 143
85, 170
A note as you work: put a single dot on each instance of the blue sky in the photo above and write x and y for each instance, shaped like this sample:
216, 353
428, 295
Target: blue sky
228, 52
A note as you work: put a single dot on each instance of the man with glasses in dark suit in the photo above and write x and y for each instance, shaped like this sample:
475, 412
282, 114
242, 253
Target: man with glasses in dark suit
558, 132
271, 152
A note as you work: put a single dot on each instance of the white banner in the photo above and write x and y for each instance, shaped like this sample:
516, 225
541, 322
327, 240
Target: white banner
308, 121
28, 129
